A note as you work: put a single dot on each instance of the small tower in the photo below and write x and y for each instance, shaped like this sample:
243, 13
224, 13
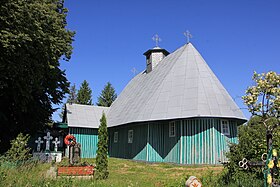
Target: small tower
155, 55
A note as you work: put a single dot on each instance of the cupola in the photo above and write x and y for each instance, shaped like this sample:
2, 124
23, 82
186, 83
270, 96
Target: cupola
153, 57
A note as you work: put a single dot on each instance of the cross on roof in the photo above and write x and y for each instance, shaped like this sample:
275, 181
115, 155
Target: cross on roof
134, 71
157, 39
188, 36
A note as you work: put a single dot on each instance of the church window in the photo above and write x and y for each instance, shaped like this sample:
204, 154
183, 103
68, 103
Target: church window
116, 137
172, 129
130, 136
225, 127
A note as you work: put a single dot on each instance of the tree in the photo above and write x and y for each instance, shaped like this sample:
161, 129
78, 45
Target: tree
84, 94
262, 100
72, 98
33, 38
102, 150
19, 152
107, 96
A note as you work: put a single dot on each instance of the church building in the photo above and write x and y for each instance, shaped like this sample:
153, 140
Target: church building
176, 110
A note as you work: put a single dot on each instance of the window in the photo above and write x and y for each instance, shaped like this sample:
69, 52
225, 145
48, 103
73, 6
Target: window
116, 137
172, 130
130, 136
225, 127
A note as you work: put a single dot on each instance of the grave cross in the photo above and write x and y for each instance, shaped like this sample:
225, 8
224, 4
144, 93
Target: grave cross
48, 138
56, 142
157, 39
188, 36
39, 142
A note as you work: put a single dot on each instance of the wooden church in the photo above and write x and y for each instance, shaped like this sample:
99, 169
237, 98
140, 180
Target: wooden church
176, 110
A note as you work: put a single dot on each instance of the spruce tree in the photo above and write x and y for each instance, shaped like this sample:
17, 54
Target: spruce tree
72, 98
102, 150
107, 96
84, 94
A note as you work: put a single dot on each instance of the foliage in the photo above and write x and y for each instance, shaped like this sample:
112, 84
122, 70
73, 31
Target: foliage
19, 152
84, 94
252, 144
72, 98
107, 96
33, 38
102, 150
263, 99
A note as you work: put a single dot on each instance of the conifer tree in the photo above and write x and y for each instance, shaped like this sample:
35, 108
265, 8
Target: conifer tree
84, 94
107, 96
19, 151
102, 150
72, 98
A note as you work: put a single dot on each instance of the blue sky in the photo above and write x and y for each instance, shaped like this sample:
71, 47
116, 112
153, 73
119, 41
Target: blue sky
234, 37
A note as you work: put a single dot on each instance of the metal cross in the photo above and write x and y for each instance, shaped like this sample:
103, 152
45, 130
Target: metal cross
188, 36
56, 142
39, 142
134, 70
157, 39
48, 138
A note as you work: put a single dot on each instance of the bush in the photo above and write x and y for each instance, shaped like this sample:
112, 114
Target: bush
252, 144
102, 150
19, 152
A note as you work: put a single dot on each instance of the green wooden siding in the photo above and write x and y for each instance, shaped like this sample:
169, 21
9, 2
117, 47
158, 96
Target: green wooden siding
88, 138
123, 149
197, 141
203, 143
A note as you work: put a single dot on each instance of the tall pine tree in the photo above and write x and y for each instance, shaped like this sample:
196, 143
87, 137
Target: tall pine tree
72, 98
84, 94
102, 150
107, 96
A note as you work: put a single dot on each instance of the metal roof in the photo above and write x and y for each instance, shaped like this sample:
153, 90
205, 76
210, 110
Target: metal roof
86, 116
181, 86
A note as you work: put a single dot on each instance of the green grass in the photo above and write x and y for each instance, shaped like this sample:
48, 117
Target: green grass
122, 173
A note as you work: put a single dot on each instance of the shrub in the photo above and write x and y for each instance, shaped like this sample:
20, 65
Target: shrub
19, 152
252, 144
102, 150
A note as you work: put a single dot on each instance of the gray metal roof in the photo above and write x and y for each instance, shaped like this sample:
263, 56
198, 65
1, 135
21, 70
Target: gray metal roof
181, 86
87, 116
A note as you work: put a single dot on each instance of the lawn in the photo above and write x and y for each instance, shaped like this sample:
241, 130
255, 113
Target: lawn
122, 173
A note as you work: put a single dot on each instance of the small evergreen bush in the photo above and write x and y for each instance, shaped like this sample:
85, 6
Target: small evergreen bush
102, 150
19, 152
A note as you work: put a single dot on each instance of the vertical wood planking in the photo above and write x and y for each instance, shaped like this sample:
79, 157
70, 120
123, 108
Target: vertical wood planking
88, 138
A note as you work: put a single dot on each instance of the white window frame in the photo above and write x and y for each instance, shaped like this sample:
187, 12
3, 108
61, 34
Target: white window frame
172, 129
116, 137
130, 136
225, 125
